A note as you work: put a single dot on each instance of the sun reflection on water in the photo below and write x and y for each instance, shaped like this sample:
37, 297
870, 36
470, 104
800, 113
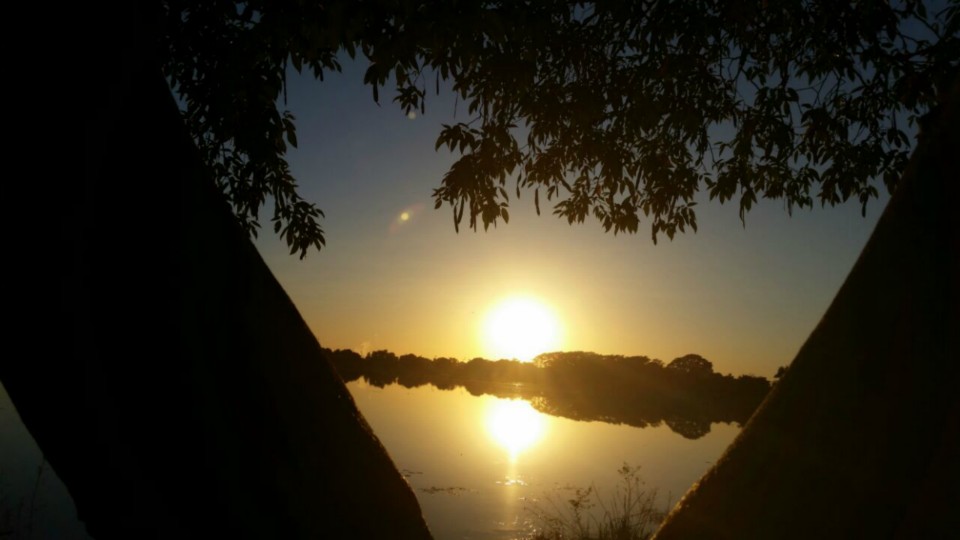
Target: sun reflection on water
515, 425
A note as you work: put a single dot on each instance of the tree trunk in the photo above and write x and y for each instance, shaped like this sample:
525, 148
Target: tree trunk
192, 401
860, 438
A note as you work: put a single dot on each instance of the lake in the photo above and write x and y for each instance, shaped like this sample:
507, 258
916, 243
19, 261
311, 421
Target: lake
479, 463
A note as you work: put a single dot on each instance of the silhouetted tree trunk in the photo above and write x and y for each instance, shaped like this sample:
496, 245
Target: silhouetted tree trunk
191, 401
860, 438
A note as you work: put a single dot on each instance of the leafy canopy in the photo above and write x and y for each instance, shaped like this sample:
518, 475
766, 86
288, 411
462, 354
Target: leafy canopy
622, 110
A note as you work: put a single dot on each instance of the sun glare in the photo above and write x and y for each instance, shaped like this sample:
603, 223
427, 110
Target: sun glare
520, 328
515, 425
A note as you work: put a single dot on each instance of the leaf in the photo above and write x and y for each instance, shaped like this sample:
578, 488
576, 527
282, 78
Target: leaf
594, 93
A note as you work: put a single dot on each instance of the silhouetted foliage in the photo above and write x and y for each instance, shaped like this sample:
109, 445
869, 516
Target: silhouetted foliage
630, 513
382, 368
619, 110
415, 371
693, 365
346, 362
781, 371
686, 394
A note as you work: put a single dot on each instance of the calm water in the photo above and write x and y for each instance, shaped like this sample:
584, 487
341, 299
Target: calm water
477, 464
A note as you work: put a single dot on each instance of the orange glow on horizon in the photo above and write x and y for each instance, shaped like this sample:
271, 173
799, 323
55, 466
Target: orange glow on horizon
520, 328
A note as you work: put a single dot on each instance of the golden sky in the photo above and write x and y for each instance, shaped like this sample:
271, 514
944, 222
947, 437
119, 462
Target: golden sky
395, 275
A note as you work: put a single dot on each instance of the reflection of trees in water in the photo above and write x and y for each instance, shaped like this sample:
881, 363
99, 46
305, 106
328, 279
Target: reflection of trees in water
690, 428
685, 394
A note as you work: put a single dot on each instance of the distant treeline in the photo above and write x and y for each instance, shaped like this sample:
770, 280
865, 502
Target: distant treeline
685, 394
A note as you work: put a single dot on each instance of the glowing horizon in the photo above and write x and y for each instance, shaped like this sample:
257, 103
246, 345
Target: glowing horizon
396, 275
520, 327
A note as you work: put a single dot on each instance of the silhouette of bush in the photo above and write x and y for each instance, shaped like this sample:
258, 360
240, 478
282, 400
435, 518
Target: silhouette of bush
638, 391
629, 514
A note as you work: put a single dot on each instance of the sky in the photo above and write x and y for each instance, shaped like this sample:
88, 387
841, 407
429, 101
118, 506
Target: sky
743, 296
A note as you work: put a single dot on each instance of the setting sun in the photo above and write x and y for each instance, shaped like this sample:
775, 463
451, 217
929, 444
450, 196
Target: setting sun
521, 328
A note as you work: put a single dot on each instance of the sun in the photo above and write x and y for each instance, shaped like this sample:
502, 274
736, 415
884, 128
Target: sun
520, 328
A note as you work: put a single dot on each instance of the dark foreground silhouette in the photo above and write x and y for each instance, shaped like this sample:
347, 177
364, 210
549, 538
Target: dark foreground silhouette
685, 394
190, 400
861, 436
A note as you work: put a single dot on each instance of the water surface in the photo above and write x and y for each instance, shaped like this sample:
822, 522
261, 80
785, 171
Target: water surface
478, 464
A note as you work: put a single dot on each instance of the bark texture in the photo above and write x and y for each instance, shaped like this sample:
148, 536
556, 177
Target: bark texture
190, 399
860, 439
